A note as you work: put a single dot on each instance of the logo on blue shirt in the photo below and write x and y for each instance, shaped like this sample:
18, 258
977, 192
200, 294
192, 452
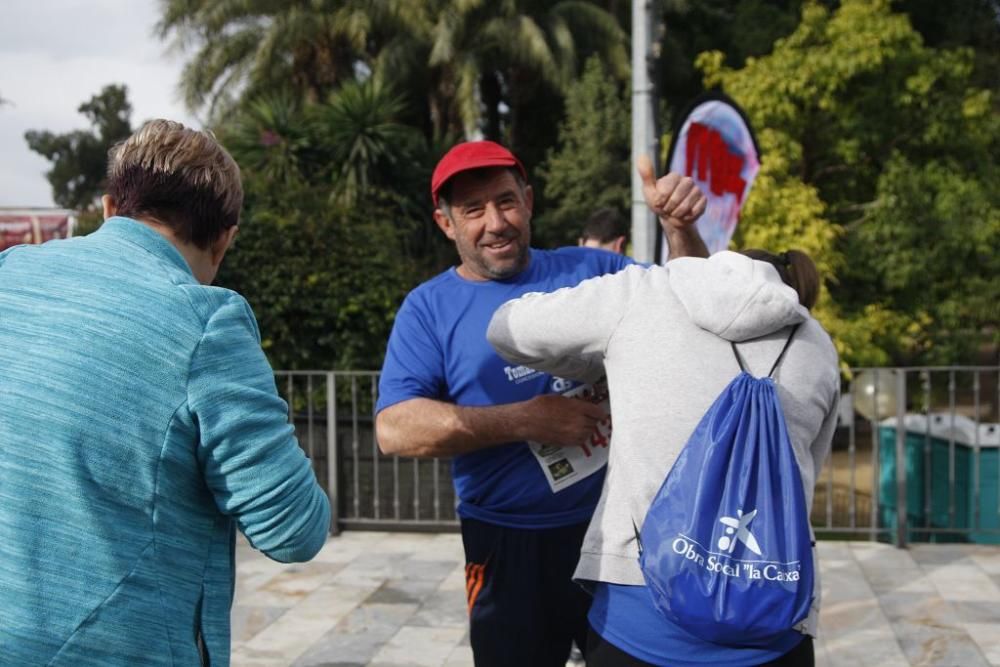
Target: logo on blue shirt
519, 374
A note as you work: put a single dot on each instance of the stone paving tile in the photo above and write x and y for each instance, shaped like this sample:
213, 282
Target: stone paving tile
442, 547
853, 629
928, 643
929, 630
414, 543
888, 570
864, 648
346, 547
426, 569
880, 554
248, 582
455, 581
359, 636
245, 657
440, 609
248, 621
461, 656
376, 563
284, 590
822, 656
978, 611
423, 647
301, 579
942, 627
834, 550
923, 607
388, 599
933, 556
306, 623
402, 591
988, 560
964, 582
987, 637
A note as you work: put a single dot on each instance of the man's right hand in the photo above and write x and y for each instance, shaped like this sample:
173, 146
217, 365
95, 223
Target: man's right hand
557, 420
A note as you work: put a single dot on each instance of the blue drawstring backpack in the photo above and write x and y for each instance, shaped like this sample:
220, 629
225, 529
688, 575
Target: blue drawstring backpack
725, 547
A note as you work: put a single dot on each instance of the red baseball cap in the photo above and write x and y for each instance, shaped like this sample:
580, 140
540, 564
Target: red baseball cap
471, 155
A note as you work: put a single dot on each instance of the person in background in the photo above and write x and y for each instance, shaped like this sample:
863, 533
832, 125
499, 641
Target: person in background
525, 489
605, 229
140, 425
664, 335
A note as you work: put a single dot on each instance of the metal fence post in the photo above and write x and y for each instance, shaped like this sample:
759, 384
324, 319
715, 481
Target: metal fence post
332, 455
901, 511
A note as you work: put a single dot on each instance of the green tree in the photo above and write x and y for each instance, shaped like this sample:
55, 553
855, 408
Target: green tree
270, 139
589, 169
324, 281
961, 23
739, 29
367, 144
350, 145
332, 231
879, 160
259, 46
80, 158
491, 58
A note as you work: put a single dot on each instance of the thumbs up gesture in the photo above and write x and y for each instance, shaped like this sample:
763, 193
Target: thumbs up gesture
675, 199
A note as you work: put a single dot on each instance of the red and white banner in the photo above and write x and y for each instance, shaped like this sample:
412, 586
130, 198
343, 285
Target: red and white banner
19, 226
714, 145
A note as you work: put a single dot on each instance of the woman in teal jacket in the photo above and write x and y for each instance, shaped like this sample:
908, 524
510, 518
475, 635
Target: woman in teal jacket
140, 425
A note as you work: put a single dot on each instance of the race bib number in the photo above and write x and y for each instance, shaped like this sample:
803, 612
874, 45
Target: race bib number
565, 466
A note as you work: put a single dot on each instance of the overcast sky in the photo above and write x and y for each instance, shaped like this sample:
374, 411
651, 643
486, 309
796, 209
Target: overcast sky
55, 55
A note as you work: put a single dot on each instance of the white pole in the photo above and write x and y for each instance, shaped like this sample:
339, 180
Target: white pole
644, 139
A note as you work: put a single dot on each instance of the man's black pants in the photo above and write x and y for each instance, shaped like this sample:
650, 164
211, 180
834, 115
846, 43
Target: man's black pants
524, 609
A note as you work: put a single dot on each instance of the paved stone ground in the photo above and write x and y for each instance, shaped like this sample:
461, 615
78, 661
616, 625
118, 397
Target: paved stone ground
394, 599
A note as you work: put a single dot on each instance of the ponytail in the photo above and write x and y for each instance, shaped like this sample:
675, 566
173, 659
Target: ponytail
796, 269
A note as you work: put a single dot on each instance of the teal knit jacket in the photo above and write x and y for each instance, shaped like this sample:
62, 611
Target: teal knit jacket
139, 427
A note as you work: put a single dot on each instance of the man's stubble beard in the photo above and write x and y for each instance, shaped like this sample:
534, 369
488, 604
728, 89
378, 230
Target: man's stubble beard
503, 274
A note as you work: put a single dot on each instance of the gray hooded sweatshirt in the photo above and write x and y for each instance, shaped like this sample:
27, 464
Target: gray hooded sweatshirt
662, 336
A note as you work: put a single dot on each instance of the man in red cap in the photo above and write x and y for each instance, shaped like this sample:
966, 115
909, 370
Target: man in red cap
528, 454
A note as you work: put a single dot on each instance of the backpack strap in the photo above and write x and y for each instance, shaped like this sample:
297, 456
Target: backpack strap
777, 361
783, 350
739, 360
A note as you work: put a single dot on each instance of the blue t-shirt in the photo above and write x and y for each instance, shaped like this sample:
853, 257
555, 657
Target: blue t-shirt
438, 350
626, 617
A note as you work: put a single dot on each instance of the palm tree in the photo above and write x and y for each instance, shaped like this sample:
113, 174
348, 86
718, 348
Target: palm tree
346, 144
269, 138
358, 128
463, 67
488, 58
248, 47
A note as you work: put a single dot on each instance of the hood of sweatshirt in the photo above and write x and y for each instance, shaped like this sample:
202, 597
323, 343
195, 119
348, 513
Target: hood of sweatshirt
733, 296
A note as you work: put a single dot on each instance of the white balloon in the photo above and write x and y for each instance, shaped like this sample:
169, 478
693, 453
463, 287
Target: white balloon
874, 394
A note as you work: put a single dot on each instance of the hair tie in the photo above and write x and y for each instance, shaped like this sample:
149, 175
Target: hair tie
785, 259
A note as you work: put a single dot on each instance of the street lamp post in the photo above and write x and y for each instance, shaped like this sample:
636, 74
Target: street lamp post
644, 139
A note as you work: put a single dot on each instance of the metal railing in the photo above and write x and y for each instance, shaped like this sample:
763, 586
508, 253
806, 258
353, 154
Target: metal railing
936, 478
367, 489
945, 489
